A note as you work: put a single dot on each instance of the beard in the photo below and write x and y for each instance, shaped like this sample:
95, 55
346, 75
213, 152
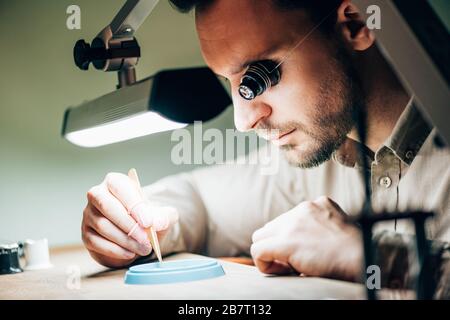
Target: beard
340, 90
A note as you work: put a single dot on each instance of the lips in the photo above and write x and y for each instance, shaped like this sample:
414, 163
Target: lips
284, 134
274, 136
283, 138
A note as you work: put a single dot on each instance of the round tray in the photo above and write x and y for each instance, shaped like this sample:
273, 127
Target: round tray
174, 271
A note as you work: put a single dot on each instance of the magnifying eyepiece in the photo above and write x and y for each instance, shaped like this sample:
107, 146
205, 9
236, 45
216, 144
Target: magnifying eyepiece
259, 77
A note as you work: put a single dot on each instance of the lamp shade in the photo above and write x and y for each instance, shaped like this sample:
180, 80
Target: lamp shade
169, 100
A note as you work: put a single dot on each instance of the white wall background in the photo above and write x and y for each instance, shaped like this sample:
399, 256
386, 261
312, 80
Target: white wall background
43, 178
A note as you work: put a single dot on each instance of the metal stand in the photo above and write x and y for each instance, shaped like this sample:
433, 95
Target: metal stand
425, 284
126, 77
115, 48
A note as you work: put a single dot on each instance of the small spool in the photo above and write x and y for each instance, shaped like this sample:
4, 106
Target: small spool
9, 259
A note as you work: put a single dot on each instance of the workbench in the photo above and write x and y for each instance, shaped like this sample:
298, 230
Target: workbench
76, 275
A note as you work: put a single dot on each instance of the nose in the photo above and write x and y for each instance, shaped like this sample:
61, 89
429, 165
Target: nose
247, 114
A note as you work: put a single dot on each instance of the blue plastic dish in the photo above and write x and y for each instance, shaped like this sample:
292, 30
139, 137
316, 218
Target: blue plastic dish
174, 271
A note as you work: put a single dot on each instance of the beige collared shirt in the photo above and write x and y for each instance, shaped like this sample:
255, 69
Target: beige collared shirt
221, 206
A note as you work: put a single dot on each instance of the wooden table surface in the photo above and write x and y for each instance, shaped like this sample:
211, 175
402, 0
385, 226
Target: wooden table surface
76, 275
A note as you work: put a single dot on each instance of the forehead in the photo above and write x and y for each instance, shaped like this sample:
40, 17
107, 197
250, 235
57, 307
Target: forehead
235, 31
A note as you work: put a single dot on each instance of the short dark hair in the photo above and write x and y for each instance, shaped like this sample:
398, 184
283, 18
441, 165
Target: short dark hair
319, 9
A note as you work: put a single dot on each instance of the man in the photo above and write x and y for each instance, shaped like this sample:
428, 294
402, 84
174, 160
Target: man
294, 220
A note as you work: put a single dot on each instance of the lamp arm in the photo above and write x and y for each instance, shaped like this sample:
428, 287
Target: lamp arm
131, 16
115, 47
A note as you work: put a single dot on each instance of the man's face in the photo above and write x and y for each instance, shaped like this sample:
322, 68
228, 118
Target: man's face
309, 113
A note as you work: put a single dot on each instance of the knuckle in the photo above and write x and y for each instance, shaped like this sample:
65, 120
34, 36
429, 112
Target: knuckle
101, 224
85, 225
110, 176
253, 251
113, 178
93, 193
84, 220
83, 229
96, 223
87, 239
86, 213
101, 204
322, 200
306, 206
255, 235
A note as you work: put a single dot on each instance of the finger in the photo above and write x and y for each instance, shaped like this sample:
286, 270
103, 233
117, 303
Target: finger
273, 227
127, 192
159, 217
263, 233
270, 254
258, 235
124, 189
276, 267
111, 232
113, 210
97, 243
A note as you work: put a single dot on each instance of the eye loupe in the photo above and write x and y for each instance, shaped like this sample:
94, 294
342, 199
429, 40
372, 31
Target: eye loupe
259, 77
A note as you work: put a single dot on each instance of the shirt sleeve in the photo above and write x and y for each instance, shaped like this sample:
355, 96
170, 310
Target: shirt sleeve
189, 233
396, 256
221, 206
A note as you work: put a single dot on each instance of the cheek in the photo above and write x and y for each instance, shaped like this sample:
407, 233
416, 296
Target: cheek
294, 98
301, 90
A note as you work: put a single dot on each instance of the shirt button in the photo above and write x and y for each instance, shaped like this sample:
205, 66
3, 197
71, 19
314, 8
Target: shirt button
409, 155
385, 182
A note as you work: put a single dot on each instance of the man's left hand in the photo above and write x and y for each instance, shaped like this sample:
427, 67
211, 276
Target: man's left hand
312, 239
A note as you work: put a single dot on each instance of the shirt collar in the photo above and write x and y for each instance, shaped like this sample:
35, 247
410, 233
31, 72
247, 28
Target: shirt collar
348, 154
405, 141
409, 134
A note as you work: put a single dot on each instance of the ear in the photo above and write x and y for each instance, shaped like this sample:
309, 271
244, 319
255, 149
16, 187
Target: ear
353, 27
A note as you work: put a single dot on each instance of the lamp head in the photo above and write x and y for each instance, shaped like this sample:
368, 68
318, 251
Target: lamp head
169, 100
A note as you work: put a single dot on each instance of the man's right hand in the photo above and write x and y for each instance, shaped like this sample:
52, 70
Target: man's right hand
113, 208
